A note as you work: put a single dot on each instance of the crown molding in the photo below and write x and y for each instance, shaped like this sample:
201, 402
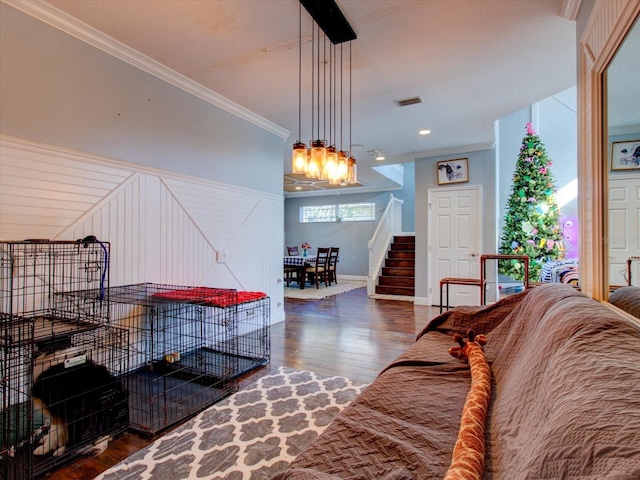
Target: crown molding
64, 22
570, 9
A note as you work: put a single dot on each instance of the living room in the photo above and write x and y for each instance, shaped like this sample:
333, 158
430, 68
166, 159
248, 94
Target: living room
180, 217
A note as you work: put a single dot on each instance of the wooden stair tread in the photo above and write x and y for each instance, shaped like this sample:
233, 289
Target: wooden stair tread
394, 290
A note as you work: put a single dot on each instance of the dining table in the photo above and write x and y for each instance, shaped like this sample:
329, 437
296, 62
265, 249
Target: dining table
300, 262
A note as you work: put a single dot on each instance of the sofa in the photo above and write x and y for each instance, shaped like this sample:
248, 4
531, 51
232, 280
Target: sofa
628, 299
565, 398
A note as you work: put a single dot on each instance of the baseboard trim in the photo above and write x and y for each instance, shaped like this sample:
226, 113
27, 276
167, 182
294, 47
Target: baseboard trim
362, 278
422, 301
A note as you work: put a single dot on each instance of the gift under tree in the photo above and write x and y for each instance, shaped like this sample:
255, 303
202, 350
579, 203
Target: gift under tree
532, 222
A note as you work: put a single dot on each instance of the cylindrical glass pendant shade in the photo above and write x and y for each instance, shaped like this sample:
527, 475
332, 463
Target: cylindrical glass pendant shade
343, 166
318, 155
330, 167
352, 174
299, 158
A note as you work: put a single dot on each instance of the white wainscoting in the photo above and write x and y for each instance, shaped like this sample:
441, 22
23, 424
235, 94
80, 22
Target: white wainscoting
163, 227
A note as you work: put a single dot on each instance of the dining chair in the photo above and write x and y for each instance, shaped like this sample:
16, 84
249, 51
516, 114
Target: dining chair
331, 265
319, 271
290, 271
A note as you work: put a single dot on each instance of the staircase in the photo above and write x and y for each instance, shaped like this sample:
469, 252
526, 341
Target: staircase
398, 271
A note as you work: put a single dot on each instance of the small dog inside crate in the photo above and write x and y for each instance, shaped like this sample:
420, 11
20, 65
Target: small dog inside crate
80, 394
77, 396
50, 432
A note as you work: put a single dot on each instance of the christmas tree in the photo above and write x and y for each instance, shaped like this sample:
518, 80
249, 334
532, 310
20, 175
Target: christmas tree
532, 221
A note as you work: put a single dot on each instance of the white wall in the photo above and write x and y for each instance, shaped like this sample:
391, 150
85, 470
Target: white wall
94, 145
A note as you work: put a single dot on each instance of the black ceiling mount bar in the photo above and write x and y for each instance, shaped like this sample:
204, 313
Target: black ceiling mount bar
330, 19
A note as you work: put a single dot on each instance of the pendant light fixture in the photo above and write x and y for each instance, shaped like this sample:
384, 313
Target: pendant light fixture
340, 176
321, 161
314, 155
299, 154
318, 146
331, 162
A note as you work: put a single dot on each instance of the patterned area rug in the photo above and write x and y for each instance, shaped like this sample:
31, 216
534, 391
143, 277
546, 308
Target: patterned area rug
253, 434
313, 293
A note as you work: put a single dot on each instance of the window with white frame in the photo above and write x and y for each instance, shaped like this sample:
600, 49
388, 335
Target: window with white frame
317, 213
357, 212
348, 212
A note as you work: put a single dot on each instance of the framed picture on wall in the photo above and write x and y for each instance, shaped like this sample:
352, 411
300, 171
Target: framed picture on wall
453, 171
625, 155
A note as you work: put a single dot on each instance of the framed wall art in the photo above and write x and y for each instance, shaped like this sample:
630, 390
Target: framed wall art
453, 171
625, 155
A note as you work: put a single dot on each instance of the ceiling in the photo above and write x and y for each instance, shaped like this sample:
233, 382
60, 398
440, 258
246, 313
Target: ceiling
471, 62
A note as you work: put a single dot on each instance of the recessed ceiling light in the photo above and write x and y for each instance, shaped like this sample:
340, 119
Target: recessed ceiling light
424, 132
380, 157
298, 188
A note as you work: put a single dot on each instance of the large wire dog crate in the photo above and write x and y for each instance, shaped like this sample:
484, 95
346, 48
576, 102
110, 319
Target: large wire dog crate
185, 350
61, 362
249, 343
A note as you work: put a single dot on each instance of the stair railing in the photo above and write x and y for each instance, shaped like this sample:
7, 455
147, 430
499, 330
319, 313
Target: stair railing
390, 224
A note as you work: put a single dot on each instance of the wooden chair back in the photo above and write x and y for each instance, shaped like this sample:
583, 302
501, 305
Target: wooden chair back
333, 260
319, 271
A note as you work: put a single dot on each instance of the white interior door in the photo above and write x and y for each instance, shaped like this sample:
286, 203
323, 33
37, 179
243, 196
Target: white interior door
624, 228
454, 242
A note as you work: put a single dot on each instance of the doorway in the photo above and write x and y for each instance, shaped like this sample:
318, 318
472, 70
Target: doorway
454, 241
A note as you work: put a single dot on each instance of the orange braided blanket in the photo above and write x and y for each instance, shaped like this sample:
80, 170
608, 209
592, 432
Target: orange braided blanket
468, 454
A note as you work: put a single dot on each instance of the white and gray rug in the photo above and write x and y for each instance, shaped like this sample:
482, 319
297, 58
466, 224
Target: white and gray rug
253, 434
310, 292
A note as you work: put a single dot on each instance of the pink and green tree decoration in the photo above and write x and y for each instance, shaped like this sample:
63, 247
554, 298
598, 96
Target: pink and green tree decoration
532, 222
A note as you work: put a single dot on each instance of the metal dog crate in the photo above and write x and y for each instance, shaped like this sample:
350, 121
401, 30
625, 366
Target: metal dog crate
52, 341
177, 368
60, 399
34, 275
16, 418
248, 340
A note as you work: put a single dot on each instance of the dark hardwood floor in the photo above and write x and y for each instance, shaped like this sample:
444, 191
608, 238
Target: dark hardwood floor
348, 335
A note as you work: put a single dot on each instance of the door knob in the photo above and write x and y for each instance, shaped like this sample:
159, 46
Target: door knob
474, 254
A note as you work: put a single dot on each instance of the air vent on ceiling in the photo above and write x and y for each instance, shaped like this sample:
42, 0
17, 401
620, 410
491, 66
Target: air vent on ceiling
408, 101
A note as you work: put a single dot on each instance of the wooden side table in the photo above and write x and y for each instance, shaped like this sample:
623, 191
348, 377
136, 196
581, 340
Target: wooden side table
482, 281
461, 281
